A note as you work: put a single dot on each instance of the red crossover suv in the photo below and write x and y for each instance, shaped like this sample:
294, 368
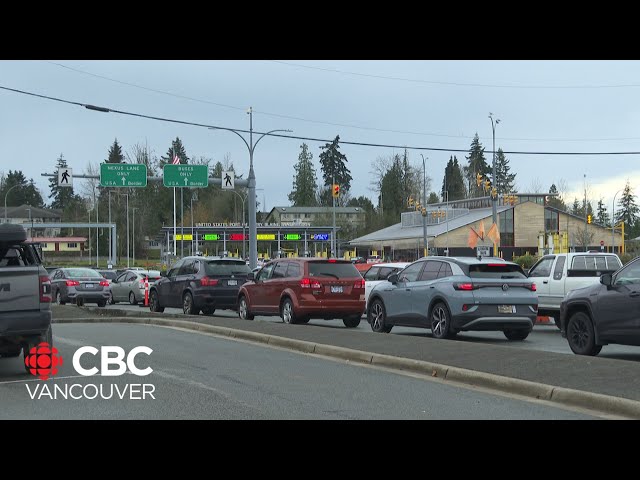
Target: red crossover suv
299, 289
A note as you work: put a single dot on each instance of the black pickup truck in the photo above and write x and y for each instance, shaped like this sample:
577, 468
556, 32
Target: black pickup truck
25, 294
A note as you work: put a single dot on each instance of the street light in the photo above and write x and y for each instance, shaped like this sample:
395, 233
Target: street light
133, 235
425, 240
494, 202
191, 213
5, 198
613, 222
127, 195
253, 240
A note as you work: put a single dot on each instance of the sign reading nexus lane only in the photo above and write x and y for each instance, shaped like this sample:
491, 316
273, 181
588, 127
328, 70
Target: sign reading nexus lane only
182, 175
123, 175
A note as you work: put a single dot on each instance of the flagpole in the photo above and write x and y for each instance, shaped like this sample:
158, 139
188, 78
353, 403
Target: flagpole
175, 242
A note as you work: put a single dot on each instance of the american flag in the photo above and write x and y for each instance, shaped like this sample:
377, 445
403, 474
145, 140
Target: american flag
176, 160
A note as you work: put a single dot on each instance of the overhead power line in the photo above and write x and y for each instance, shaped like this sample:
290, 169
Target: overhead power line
311, 139
333, 124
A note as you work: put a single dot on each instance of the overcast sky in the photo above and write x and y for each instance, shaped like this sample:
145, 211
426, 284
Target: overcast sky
543, 106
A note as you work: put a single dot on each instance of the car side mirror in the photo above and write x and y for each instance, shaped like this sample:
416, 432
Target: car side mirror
606, 279
251, 276
163, 273
393, 278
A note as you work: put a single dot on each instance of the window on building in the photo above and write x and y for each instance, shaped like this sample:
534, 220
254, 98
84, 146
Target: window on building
72, 245
506, 228
551, 220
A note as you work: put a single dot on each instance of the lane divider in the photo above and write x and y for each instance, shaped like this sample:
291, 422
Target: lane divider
566, 396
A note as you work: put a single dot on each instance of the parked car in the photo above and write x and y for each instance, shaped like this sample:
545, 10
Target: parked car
556, 275
25, 296
358, 260
453, 294
110, 275
378, 273
79, 285
130, 285
198, 283
299, 289
604, 313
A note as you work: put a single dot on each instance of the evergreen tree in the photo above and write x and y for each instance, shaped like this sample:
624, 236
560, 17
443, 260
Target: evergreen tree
627, 210
25, 194
476, 164
63, 197
334, 169
453, 181
115, 153
393, 193
556, 201
176, 149
304, 180
576, 207
505, 181
433, 198
602, 216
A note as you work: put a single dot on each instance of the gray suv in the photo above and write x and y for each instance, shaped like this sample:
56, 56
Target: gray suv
453, 294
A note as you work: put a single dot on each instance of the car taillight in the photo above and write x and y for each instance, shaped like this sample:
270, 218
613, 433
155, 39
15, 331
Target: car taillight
359, 284
104, 283
72, 283
464, 286
208, 282
308, 283
465, 307
332, 260
533, 287
45, 289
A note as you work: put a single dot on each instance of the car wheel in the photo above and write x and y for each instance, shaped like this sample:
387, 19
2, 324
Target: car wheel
79, 302
102, 303
187, 305
132, 298
376, 316
243, 309
59, 298
441, 322
301, 320
47, 337
351, 322
208, 310
111, 300
154, 303
287, 313
581, 335
516, 334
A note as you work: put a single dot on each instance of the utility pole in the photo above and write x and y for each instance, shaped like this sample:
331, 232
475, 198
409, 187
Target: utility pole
494, 201
333, 234
425, 240
133, 236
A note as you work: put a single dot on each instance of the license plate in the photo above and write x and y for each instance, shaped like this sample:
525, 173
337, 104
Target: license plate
88, 285
232, 282
336, 288
506, 309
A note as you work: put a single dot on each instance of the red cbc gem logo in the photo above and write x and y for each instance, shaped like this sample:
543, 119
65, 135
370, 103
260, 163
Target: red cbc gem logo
43, 360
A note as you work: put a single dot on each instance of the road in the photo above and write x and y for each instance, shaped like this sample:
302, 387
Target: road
545, 337
198, 376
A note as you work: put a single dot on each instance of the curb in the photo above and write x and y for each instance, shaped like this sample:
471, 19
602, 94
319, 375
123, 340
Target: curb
565, 396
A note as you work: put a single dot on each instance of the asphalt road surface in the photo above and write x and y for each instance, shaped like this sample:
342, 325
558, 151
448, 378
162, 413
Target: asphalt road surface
545, 337
199, 376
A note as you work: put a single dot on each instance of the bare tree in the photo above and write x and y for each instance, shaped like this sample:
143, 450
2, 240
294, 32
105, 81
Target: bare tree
583, 237
142, 154
90, 185
535, 186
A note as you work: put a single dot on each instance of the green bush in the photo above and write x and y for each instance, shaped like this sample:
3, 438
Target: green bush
627, 257
525, 261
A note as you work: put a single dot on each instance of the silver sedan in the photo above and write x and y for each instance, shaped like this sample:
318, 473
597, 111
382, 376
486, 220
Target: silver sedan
129, 286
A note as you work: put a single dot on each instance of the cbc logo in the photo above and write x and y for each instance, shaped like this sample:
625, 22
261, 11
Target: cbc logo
117, 359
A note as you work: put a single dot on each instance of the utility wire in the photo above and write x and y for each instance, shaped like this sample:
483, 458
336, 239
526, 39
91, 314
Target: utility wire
334, 124
344, 142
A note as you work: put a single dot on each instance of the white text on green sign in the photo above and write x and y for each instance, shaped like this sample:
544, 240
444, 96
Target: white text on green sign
185, 175
123, 175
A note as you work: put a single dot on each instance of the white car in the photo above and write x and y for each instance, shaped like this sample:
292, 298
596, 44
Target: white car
378, 273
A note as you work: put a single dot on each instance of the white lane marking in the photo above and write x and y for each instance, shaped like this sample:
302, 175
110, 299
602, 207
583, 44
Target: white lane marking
69, 341
55, 378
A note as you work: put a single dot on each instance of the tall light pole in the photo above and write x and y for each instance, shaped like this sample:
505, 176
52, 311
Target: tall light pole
585, 213
613, 222
253, 231
31, 221
425, 240
494, 201
5, 198
110, 239
127, 195
191, 213
133, 235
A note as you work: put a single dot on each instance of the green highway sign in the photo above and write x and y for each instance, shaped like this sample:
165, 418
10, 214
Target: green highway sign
211, 236
183, 175
292, 236
123, 175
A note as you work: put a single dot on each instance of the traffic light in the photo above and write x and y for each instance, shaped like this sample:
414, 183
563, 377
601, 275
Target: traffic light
478, 179
494, 192
487, 185
336, 190
589, 218
410, 201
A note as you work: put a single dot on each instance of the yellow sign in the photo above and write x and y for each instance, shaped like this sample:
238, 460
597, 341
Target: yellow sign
266, 236
186, 236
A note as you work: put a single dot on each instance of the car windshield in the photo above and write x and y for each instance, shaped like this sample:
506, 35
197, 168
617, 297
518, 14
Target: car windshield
496, 270
226, 267
83, 272
333, 269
